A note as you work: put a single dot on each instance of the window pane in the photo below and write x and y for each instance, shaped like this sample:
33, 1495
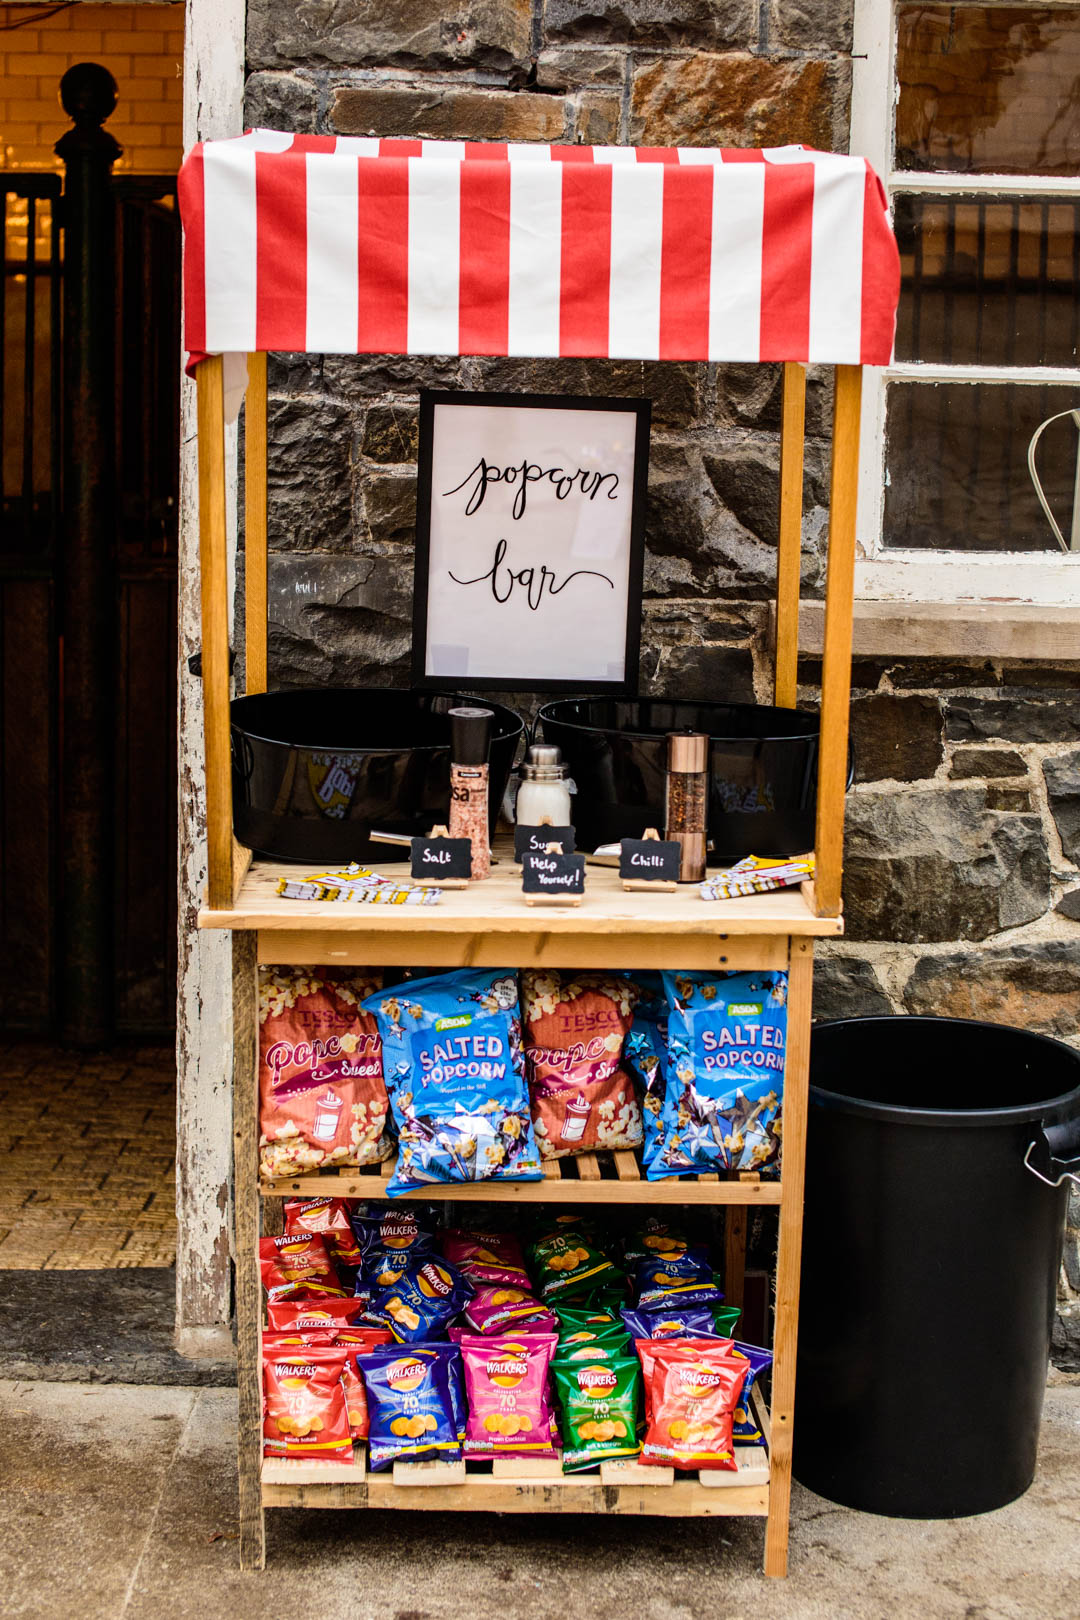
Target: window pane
956, 466
988, 90
989, 281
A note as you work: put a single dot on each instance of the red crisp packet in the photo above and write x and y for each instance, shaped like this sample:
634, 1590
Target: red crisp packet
312, 1314
691, 1404
358, 1341
297, 1266
330, 1216
304, 1412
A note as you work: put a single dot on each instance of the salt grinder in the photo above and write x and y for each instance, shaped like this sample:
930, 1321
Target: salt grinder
687, 785
470, 740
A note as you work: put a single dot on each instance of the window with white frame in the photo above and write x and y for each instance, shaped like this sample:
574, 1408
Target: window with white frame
971, 467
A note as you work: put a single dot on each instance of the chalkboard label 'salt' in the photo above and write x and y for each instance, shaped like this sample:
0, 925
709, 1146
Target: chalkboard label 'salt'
437, 859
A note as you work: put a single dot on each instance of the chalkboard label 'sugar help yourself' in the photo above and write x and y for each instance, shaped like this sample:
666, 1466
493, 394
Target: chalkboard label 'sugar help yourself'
440, 860
551, 876
534, 840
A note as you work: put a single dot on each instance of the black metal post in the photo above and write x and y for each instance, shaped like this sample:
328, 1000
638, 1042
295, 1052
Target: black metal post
86, 585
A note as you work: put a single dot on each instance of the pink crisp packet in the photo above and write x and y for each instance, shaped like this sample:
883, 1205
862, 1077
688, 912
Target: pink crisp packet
494, 1308
509, 1395
485, 1257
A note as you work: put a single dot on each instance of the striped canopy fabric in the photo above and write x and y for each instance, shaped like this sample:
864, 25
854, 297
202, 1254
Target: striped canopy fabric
347, 245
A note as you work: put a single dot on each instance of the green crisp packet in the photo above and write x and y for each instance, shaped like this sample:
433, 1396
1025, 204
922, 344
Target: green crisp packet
724, 1318
565, 1264
598, 1408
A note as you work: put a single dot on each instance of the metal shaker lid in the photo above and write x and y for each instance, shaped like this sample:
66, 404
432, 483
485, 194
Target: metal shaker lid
543, 763
688, 751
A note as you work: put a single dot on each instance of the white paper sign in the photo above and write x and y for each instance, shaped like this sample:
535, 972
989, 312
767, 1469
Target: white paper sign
533, 557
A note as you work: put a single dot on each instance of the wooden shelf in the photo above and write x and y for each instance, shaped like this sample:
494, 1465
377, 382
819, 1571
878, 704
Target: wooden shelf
480, 1488
589, 1178
489, 925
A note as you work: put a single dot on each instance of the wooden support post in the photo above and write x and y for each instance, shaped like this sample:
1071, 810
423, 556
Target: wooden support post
214, 587
255, 588
836, 660
789, 1257
734, 1254
789, 550
246, 1206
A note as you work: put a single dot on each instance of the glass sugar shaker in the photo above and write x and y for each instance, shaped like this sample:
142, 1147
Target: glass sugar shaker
687, 794
544, 794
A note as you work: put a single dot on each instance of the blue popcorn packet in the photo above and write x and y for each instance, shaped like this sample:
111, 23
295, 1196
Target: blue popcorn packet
421, 1303
724, 1085
745, 1426
411, 1407
645, 1053
455, 1075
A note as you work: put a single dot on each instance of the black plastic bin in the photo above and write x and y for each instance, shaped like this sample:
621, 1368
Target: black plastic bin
930, 1260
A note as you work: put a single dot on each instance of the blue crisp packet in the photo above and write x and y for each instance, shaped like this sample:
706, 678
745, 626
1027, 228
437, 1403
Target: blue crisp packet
455, 1075
745, 1426
724, 1083
684, 1279
681, 1322
452, 1355
422, 1303
410, 1405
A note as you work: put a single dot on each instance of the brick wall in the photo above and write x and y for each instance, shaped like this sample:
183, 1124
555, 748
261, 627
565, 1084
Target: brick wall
963, 886
143, 48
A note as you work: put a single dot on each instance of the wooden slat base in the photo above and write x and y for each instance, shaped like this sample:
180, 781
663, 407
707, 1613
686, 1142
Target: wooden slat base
588, 1178
484, 1493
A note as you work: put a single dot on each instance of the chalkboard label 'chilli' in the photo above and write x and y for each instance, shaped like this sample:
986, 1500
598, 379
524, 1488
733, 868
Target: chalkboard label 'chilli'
440, 859
552, 876
649, 860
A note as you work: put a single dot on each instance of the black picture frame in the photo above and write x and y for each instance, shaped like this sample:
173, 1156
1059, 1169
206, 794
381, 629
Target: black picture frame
641, 410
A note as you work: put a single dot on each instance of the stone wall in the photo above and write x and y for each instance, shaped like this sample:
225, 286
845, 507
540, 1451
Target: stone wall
963, 888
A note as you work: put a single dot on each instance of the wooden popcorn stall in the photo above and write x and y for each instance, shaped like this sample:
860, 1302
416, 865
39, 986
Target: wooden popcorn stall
348, 245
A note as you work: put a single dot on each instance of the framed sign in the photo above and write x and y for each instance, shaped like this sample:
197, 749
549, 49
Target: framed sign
529, 541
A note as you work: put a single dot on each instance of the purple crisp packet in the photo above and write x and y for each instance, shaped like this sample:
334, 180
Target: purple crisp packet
677, 1322
745, 1426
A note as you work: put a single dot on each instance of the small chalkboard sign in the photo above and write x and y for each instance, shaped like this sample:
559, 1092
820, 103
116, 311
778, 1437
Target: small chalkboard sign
533, 840
649, 862
440, 859
552, 878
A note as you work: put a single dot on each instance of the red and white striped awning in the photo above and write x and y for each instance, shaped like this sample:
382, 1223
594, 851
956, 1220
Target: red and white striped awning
347, 245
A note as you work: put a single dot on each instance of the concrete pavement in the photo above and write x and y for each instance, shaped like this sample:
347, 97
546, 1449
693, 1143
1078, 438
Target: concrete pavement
118, 1503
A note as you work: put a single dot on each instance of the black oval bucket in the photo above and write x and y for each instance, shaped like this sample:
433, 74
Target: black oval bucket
935, 1209
315, 771
762, 770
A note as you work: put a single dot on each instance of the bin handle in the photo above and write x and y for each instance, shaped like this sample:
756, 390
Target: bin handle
1057, 1150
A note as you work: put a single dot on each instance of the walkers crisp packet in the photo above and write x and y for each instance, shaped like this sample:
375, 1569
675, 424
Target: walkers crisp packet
410, 1406
506, 1382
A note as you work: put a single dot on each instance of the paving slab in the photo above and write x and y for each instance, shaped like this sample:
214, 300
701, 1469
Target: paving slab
121, 1506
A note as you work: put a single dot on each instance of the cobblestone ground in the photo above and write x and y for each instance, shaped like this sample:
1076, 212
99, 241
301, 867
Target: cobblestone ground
87, 1159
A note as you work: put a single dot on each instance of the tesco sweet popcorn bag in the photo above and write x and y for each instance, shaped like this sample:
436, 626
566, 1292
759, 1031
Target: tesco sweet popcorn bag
456, 1079
726, 1036
322, 1101
582, 1097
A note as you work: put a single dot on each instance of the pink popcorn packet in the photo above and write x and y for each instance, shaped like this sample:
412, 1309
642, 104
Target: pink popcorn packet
508, 1388
485, 1257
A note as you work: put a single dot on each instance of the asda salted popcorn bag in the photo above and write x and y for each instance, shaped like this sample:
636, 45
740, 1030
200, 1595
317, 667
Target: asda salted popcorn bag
724, 1079
322, 1101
